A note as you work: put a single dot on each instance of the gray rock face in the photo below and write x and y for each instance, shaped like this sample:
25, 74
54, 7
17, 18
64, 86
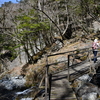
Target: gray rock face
13, 83
96, 26
19, 61
7, 85
62, 59
27, 99
85, 78
81, 81
90, 96
87, 88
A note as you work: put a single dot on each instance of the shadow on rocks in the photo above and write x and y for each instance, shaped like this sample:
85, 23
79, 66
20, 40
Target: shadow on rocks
6, 94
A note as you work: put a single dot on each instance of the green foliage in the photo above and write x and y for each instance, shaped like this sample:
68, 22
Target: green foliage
91, 1
98, 8
23, 1
17, 46
26, 23
6, 43
44, 25
78, 10
31, 12
20, 10
31, 21
35, 26
29, 28
30, 24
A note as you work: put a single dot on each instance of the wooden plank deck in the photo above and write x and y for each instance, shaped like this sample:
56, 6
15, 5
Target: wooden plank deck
61, 90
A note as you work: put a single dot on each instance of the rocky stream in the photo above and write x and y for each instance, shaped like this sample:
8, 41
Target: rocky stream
86, 87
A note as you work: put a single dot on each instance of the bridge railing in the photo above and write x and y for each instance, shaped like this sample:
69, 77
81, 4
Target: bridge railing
71, 56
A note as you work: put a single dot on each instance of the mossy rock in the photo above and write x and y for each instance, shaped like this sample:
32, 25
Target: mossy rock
77, 51
83, 58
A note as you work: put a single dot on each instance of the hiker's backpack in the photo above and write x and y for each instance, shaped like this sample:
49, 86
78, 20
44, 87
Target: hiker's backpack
94, 45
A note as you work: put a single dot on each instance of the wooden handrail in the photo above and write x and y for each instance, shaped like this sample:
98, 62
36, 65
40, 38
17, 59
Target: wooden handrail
67, 52
82, 52
69, 55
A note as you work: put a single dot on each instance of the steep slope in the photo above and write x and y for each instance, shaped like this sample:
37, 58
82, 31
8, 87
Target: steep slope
26, 69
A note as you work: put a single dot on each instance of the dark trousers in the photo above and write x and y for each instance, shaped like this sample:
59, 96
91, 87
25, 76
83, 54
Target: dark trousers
95, 55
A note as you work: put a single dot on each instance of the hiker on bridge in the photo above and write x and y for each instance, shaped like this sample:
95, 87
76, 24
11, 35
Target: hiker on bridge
95, 46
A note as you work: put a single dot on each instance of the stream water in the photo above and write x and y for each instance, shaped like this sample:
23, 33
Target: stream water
6, 94
16, 94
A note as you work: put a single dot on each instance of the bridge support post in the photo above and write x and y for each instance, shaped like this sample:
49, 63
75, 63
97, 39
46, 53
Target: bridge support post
68, 67
92, 67
46, 80
46, 84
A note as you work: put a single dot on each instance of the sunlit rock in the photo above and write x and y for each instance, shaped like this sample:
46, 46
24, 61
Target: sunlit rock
63, 58
19, 82
24, 92
90, 96
85, 78
87, 88
26, 99
12, 83
7, 85
80, 81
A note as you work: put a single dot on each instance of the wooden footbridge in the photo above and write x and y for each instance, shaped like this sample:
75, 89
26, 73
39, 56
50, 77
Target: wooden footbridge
57, 85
